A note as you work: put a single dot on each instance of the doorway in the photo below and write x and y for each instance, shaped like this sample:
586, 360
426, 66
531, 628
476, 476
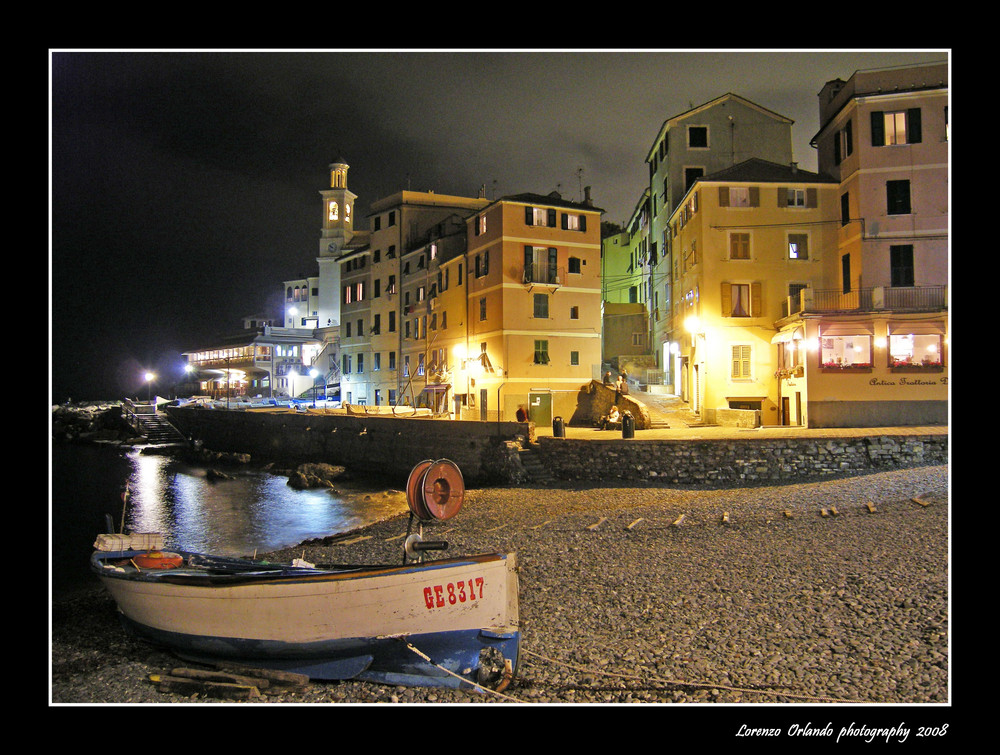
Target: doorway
540, 408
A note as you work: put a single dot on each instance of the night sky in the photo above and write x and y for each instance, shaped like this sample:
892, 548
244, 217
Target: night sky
185, 185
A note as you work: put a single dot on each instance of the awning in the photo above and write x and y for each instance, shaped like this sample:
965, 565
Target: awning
784, 336
847, 328
917, 328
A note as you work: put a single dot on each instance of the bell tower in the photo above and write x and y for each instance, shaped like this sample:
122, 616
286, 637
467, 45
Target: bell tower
335, 234
338, 212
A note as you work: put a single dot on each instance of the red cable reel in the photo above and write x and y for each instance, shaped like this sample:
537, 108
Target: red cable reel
435, 490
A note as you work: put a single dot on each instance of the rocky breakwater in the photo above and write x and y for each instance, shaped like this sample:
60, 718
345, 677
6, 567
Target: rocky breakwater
92, 422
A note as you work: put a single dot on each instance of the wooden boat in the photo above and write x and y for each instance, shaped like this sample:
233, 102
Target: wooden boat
449, 622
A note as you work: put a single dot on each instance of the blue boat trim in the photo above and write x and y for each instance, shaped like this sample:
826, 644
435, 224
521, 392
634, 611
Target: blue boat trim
387, 660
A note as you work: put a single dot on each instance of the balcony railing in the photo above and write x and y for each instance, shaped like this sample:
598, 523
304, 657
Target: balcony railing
873, 299
540, 272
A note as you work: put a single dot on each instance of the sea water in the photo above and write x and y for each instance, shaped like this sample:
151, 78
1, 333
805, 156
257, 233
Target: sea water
253, 512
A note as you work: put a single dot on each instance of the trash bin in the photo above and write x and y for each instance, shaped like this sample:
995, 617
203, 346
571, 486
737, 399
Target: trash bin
628, 425
558, 428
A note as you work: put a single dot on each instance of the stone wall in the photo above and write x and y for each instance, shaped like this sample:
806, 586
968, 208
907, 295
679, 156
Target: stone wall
734, 462
390, 447
487, 452
738, 417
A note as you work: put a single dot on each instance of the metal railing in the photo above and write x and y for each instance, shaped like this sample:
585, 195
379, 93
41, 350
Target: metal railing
872, 299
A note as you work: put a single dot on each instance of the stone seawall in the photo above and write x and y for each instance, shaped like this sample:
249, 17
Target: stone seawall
735, 461
390, 447
487, 452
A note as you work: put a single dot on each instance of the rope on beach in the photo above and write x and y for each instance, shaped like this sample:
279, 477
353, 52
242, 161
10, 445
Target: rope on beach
459, 676
680, 683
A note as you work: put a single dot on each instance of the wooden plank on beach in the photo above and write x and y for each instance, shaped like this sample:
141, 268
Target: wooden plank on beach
677, 521
921, 501
218, 676
185, 686
871, 507
632, 526
597, 524
272, 675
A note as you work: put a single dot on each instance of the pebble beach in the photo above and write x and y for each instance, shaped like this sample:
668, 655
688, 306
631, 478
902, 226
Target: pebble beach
833, 591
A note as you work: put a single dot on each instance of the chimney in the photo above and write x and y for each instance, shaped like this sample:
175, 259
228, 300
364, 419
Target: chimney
795, 167
586, 196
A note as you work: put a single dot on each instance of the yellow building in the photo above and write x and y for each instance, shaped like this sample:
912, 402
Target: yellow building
743, 241
532, 334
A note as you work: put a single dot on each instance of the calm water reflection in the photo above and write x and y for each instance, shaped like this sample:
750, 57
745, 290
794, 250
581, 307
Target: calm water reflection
254, 512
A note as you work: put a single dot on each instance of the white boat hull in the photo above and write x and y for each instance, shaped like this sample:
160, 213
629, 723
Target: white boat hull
371, 623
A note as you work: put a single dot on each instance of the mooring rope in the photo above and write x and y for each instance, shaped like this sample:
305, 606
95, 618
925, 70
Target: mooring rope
632, 677
680, 683
459, 676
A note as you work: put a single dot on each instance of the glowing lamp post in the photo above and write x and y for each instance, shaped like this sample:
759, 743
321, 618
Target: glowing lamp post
150, 377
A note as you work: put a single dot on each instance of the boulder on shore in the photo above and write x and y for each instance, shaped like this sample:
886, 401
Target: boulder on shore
315, 476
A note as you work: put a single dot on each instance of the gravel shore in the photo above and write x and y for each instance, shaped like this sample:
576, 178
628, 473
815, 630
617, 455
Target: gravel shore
645, 594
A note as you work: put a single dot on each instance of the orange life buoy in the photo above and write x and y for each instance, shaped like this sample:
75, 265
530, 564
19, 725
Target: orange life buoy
158, 560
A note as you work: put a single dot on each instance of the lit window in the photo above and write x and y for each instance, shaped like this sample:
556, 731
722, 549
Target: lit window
846, 351
334, 211
895, 128
739, 196
909, 350
798, 246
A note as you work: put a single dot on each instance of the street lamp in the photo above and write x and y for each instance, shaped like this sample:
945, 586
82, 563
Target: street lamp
150, 377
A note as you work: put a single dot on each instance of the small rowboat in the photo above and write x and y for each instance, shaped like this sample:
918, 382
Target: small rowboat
450, 622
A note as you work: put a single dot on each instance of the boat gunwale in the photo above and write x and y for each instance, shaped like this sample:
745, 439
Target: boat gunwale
217, 575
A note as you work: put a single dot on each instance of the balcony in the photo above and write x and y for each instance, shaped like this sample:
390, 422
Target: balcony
874, 299
543, 274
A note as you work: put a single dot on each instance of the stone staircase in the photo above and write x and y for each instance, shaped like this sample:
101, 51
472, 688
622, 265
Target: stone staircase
158, 429
533, 466
667, 411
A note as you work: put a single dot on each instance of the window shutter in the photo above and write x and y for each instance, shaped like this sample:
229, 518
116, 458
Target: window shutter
741, 361
755, 301
878, 128
583, 223
723, 196
914, 133
552, 218
755, 196
529, 216
727, 300
782, 196
836, 149
812, 198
